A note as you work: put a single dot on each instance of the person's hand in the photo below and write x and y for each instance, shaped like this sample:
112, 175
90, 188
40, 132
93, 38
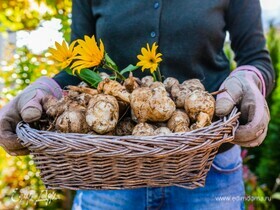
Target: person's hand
245, 88
27, 107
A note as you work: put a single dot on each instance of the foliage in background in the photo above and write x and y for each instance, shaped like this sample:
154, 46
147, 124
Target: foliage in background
20, 185
230, 55
265, 157
261, 165
22, 68
269, 168
258, 195
18, 15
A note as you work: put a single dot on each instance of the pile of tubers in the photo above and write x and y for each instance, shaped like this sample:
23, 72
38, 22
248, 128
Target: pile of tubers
136, 107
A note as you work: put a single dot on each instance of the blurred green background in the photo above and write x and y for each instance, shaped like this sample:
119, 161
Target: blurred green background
22, 62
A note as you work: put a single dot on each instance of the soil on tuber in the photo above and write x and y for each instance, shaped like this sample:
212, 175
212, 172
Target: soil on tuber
179, 121
151, 104
102, 113
114, 88
200, 107
143, 129
140, 108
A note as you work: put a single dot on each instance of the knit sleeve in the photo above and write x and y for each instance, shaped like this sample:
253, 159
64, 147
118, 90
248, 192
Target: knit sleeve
244, 24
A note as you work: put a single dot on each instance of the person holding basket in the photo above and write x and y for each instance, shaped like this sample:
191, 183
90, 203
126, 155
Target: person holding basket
191, 36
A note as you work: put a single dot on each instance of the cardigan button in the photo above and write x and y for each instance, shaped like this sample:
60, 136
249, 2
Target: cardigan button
156, 5
153, 34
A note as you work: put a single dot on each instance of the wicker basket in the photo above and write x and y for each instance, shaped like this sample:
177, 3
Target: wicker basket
81, 161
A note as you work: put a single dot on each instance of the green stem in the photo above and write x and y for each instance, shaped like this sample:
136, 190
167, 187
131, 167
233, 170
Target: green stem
154, 76
159, 74
117, 73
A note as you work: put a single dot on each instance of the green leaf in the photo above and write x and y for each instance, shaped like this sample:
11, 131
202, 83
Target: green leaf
110, 62
68, 71
112, 77
90, 77
129, 68
276, 196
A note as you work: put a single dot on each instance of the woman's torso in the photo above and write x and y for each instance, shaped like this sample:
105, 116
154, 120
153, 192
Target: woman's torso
190, 35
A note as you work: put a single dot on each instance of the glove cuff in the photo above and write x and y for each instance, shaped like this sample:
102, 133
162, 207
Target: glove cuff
250, 68
51, 84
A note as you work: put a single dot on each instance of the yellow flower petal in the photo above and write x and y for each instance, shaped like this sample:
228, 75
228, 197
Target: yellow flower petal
154, 48
149, 59
102, 49
89, 53
72, 45
158, 55
144, 51
84, 47
63, 53
148, 48
158, 60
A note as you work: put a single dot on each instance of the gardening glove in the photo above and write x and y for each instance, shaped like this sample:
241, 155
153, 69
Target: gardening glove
27, 107
245, 88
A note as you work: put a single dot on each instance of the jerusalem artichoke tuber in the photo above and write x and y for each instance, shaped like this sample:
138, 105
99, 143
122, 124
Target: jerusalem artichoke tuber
112, 87
200, 106
102, 113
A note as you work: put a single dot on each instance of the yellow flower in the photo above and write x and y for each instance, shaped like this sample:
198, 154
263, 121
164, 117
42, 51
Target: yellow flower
63, 53
90, 55
149, 58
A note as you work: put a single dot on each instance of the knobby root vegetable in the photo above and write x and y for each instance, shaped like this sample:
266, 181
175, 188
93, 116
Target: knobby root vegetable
71, 94
143, 129
53, 106
80, 94
86, 90
151, 104
147, 81
112, 87
162, 131
161, 106
72, 120
131, 83
102, 113
169, 82
104, 75
179, 121
157, 85
193, 84
200, 106
139, 99
179, 92
49, 101
83, 99
125, 127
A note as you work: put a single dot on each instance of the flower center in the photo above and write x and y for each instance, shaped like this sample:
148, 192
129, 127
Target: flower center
152, 60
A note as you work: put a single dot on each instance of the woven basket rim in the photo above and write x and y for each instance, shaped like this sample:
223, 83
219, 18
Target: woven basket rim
75, 143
